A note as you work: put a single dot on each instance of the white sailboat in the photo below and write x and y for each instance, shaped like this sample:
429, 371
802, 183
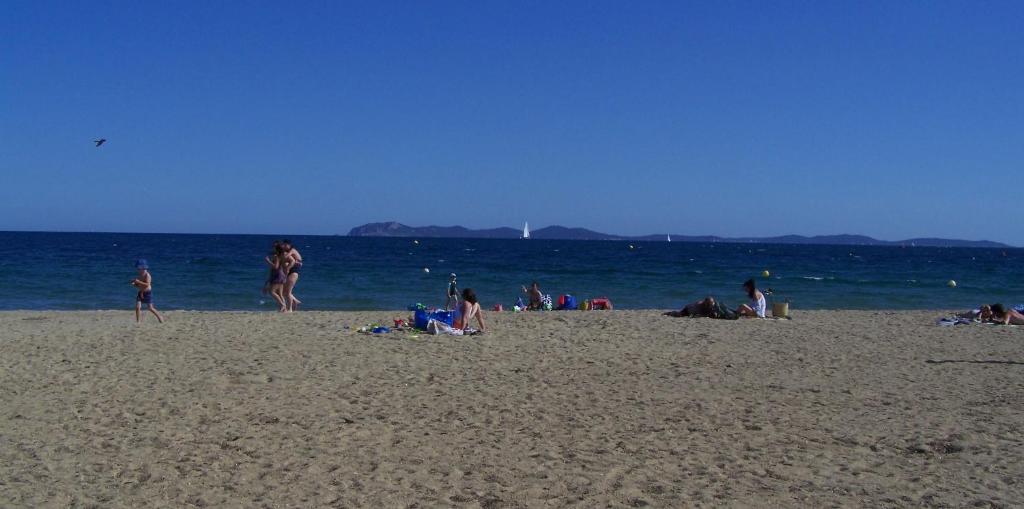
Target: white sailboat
526, 230
668, 237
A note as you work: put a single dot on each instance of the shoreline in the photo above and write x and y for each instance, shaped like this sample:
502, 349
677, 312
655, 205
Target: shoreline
620, 408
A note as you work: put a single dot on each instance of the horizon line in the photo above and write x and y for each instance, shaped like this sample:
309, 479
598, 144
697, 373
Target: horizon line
719, 239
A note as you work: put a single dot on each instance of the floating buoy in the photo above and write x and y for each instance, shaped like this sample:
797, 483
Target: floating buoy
631, 246
951, 283
415, 242
426, 270
766, 274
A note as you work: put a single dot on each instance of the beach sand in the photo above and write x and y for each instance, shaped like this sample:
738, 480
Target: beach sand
592, 409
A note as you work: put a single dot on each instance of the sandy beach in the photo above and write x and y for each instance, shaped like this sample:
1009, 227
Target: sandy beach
598, 409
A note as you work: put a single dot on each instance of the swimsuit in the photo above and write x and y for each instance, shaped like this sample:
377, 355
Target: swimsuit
145, 297
295, 268
279, 277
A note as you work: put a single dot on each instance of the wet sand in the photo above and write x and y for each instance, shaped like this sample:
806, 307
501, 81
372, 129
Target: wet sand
590, 409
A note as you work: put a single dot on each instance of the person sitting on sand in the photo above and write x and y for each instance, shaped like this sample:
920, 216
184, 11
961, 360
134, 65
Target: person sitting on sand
536, 302
1001, 315
470, 309
756, 308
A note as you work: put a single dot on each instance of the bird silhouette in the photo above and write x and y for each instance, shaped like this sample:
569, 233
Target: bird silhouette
99, 141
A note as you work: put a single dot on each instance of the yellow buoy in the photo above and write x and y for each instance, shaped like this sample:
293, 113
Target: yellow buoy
766, 274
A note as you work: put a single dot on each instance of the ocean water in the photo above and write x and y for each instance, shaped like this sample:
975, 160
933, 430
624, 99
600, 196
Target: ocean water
226, 272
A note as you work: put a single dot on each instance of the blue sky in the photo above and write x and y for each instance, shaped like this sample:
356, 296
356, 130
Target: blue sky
891, 119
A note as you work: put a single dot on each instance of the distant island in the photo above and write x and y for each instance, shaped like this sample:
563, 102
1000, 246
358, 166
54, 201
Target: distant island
395, 229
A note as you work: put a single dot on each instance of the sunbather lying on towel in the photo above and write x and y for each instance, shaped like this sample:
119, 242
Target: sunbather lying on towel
707, 307
997, 313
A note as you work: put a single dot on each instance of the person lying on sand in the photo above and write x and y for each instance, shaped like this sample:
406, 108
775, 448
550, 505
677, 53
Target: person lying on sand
705, 307
999, 314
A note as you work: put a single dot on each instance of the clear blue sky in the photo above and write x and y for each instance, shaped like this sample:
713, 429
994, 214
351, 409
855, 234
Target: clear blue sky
891, 119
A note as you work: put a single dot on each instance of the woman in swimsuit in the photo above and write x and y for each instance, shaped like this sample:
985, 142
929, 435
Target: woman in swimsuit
294, 263
470, 309
278, 276
999, 314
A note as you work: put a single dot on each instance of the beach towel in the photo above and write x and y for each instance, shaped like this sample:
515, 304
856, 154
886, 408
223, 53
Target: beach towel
949, 322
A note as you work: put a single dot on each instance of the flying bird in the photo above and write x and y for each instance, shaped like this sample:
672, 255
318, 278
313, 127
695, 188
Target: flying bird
99, 141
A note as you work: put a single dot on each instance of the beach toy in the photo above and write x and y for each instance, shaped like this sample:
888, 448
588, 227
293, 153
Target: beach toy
516, 309
399, 322
381, 330
766, 274
951, 283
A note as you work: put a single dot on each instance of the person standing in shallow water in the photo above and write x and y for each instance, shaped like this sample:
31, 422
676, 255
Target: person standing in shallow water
293, 263
277, 277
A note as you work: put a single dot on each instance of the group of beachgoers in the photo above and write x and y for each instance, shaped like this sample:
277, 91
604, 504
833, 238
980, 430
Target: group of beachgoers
284, 264
709, 307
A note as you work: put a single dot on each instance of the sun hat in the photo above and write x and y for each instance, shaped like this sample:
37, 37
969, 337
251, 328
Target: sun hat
141, 264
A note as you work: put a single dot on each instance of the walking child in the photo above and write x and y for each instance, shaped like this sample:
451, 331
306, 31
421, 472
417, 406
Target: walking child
144, 284
452, 299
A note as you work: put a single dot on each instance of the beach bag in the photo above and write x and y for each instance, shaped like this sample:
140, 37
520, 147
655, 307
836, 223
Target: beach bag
422, 318
567, 302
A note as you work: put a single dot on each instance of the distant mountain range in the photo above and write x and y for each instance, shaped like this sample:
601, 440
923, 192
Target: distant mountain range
394, 229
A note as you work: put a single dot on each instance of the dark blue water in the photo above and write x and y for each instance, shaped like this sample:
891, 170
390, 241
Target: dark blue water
226, 272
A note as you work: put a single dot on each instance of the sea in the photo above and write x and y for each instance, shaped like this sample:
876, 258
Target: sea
89, 271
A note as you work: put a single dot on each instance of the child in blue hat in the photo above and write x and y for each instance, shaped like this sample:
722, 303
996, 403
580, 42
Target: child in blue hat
144, 283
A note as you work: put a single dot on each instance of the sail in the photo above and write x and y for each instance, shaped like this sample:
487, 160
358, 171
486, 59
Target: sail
526, 230
668, 238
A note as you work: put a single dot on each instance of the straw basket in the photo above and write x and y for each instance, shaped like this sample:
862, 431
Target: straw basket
780, 310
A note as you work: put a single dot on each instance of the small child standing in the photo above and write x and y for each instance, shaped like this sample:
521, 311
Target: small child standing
452, 298
144, 283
